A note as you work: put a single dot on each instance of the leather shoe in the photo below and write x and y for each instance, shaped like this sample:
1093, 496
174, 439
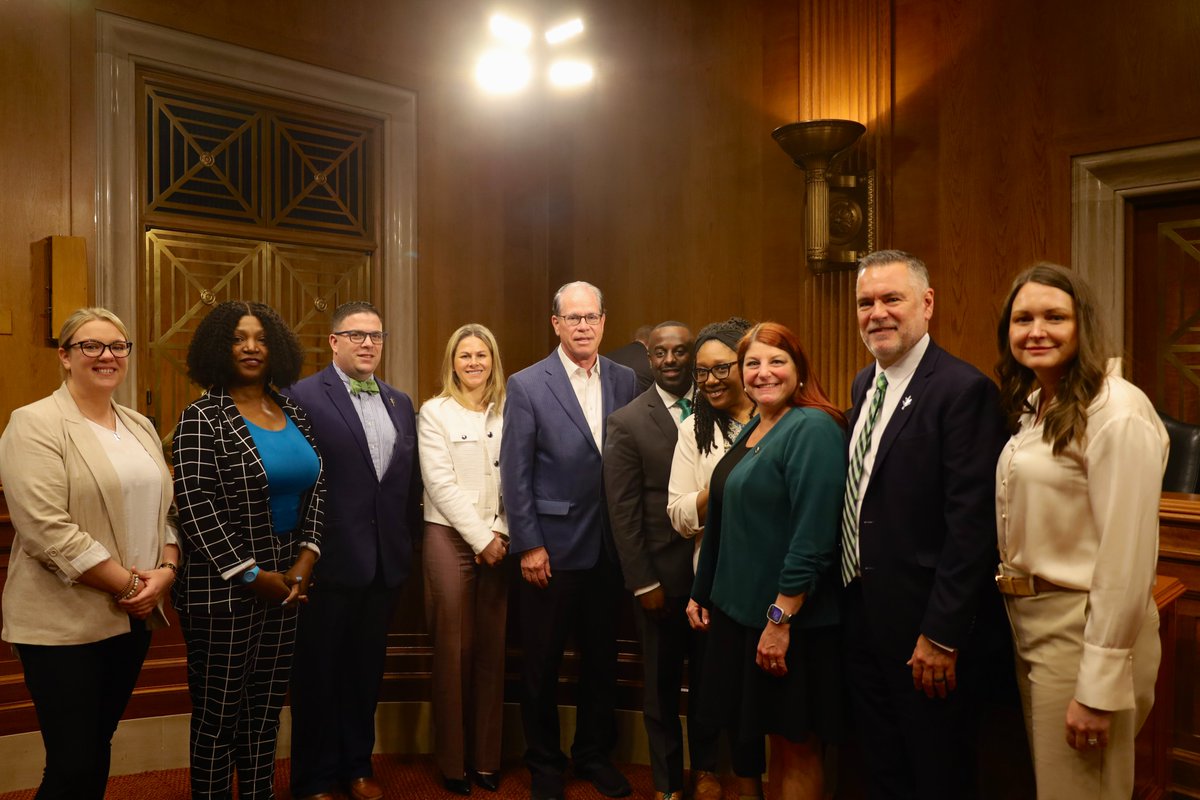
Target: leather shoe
706, 786
365, 789
607, 779
317, 796
456, 785
485, 780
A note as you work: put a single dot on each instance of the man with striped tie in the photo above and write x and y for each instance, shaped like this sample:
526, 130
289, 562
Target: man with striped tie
918, 538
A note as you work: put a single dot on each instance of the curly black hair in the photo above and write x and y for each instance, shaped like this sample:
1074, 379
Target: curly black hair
210, 355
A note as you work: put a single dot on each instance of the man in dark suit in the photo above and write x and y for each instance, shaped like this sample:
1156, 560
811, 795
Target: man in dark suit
636, 356
554, 495
366, 432
918, 539
657, 562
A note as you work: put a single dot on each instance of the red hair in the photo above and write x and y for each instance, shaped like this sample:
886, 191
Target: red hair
808, 392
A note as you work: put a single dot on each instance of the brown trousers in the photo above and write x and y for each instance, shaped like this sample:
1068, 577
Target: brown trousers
466, 607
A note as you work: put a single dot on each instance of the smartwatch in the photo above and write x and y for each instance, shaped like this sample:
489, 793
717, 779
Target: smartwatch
249, 575
778, 615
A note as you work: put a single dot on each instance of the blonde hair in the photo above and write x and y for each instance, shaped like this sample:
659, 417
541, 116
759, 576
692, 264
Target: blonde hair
82, 317
493, 391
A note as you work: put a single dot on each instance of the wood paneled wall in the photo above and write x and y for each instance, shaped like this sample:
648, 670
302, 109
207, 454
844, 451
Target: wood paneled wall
661, 184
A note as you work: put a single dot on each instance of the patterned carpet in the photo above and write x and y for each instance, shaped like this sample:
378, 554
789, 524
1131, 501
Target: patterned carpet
402, 777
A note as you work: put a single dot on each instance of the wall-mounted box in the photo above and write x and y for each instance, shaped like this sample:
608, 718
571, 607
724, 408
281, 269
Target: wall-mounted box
61, 264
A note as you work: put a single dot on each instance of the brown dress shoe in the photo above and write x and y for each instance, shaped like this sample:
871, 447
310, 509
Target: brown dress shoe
365, 789
706, 786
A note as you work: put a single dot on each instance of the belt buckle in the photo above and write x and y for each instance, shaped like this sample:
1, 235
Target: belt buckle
1015, 586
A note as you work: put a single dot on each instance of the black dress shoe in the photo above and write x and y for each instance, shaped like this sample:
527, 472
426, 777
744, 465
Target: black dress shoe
485, 780
607, 779
456, 785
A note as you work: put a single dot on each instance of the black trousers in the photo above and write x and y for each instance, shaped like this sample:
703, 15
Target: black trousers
667, 642
341, 646
583, 603
79, 692
913, 746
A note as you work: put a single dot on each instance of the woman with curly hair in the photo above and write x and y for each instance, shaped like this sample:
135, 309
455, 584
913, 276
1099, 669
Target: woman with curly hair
1077, 492
249, 487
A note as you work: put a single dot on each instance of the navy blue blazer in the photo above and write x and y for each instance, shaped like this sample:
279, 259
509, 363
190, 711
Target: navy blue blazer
927, 527
553, 487
368, 521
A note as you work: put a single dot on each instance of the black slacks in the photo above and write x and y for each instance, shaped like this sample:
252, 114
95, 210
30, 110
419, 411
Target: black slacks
667, 642
583, 603
341, 647
79, 692
913, 746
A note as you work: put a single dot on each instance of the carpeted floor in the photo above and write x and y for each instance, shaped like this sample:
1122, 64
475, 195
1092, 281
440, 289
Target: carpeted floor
402, 777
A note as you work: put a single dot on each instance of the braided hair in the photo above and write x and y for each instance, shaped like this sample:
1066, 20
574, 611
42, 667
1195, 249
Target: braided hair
727, 333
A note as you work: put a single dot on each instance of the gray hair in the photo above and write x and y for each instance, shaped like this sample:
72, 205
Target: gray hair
881, 258
556, 306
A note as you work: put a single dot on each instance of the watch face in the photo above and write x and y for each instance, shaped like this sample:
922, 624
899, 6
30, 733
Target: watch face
774, 613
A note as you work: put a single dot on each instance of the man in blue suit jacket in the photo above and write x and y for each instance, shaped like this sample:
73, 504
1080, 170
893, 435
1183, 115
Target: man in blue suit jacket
918, 540
366, 432
553, 492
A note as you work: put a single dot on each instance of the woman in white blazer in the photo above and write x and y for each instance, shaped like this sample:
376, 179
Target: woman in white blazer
465, 542
94, 555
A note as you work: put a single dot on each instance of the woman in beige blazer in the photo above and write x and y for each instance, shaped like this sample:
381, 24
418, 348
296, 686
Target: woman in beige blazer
94, 554
466, 540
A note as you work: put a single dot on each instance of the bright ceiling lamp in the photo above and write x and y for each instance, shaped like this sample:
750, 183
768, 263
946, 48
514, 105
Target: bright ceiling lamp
509, 31
565, 74
503, 71
567, 30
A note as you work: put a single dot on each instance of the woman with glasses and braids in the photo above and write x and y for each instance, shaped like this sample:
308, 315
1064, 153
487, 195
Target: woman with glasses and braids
720, 407
250, 490
94, 554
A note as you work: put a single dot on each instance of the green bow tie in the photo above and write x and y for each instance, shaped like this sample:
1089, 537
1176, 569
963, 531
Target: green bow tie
369, 386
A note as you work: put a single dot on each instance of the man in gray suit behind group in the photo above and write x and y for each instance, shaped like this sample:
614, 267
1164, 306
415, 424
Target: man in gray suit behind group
554, 496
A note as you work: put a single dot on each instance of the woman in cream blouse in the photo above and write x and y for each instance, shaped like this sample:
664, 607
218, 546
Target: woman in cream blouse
466, 540
94, 555
1077, 492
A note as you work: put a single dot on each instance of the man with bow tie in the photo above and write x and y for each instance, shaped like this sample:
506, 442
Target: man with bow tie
366, 432
918, 540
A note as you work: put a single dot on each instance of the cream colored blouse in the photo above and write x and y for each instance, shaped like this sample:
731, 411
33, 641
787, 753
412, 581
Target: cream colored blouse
1087, 519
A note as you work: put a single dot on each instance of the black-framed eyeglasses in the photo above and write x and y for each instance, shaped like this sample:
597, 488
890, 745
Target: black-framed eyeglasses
718, 371
358, 337
573, 320
93, 349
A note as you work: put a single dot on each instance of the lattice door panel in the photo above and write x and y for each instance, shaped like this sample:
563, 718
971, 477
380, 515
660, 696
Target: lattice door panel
1178, 379
308, 283
188, 273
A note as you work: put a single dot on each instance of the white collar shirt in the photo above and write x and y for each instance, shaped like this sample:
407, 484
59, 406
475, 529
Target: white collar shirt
672, 402
586, 384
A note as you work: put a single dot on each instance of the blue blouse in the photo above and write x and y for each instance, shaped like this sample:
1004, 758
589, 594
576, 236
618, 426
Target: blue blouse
292, 468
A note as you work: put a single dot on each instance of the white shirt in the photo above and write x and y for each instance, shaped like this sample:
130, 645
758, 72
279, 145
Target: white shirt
1087, 519
587, 391
899, 375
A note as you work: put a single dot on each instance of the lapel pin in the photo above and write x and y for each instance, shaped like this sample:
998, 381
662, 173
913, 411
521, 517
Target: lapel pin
392, 400
906, 402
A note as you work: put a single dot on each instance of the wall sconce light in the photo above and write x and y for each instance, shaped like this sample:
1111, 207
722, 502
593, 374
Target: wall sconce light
839, 217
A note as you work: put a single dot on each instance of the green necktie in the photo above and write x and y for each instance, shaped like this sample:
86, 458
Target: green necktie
850, 566
369, 386
685, 406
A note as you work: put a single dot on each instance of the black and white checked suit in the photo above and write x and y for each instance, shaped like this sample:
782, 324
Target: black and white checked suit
239, 647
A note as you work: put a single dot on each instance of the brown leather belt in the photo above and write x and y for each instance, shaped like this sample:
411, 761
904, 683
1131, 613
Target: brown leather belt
1027, 585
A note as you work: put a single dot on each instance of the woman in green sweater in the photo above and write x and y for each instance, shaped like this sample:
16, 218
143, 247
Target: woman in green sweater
766, 585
